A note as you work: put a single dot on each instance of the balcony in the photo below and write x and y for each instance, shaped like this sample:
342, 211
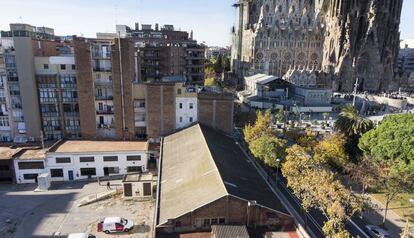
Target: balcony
104, 97
102, 69
101, 54
101, 82
108, 111
106, 126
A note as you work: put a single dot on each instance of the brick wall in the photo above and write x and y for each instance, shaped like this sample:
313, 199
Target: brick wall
128, 72
234, 210
216, 111
160, 109
86, 91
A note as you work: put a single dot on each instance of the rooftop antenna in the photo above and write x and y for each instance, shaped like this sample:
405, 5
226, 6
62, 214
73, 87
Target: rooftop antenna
20, 19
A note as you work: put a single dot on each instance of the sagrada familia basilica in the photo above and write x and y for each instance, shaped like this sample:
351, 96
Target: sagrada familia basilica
329, 43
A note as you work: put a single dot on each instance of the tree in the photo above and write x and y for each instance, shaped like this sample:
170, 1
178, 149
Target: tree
227, 63
262, 126
351, 124
209, 72
331, 150
268, 149
393, 139
315, 184
210, 82
390, 148
218, 65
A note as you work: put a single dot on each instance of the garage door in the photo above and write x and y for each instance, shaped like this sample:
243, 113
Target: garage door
127, 190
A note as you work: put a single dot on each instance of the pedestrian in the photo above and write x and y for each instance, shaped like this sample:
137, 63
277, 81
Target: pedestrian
108, 185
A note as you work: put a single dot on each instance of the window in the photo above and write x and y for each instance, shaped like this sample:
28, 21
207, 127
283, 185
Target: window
179, 91
62, 160
191, 106
180, 106
191, 119
86, 159
214, 221
88, 171
73, 67
4, 168
31, 165
181, 119
110, 158
133, 157
134, 169
56, 173
29, 176
45, 66
63, 67
112, 170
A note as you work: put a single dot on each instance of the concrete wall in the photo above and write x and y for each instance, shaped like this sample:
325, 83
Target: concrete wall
27, 83
184, 114
75, 165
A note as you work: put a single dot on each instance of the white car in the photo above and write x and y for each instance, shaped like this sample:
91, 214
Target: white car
115, 224
81, 235
377, 232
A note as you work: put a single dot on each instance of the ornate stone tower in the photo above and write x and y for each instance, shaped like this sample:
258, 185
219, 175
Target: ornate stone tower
347, 39
361, 41
272, 36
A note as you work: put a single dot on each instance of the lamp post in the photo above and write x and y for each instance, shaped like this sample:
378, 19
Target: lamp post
277, 170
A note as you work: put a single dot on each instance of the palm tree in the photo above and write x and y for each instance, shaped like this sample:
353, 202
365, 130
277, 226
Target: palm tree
351, 124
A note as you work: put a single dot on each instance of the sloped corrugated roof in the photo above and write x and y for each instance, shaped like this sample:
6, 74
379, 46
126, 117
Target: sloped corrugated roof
221, 231
201, 165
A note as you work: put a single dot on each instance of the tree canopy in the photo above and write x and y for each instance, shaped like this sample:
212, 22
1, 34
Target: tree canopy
393, 139
314, 183
351, 124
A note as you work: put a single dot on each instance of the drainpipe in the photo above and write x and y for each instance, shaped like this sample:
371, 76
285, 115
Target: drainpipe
122, 85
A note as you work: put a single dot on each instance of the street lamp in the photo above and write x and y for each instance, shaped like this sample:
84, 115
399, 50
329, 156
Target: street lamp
277, 170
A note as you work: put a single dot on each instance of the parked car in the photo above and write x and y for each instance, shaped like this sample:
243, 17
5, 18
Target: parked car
377, 232
81, 235
115, 224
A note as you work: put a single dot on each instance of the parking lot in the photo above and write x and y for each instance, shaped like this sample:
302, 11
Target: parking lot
55, 213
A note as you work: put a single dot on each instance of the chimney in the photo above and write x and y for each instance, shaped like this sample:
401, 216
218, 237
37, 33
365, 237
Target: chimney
191, 35
137, 26
156, 27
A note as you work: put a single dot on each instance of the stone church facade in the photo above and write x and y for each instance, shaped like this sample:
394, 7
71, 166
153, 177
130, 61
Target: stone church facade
340, 39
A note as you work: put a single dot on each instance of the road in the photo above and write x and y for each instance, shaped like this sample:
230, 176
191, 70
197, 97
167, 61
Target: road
314, 219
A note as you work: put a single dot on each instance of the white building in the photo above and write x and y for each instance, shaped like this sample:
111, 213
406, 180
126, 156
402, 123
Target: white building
81, 159
28, 164
186, 106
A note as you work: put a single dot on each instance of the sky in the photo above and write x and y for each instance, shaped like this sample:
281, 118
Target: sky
211, 20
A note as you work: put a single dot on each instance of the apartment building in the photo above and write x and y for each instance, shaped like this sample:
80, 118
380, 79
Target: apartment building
59, 108
22, 47
165, 51
105, 88
5, 128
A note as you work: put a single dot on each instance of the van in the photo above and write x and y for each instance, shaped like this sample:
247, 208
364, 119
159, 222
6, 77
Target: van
115, 224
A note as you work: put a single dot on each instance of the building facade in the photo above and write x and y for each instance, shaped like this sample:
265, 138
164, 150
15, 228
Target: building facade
70, 160
343, 38
165, 51
272, 36
58, 97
